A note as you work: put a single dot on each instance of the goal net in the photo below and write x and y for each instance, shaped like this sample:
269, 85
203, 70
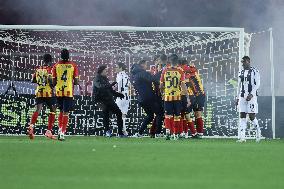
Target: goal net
216, 53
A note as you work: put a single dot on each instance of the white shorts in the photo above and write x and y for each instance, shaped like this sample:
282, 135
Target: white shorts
123, 105
248, 106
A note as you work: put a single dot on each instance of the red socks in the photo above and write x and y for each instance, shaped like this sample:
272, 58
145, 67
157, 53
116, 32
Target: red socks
191, 128
199, 125
174, 125
60, 117
51, 120
64, 123
180, 127
34, 118
185, 126
177, 125
169, 123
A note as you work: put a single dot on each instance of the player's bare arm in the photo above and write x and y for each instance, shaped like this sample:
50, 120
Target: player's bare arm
184, 89
76, 81
34, 79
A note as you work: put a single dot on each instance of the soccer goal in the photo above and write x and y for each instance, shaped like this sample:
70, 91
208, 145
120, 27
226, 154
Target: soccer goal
216, 52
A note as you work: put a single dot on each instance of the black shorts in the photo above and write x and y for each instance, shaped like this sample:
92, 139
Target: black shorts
186, 109
49, 101
183, 104
199, 103
65, 104
173, 108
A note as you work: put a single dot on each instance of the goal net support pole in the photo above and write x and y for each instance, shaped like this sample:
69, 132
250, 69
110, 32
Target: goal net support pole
272, 82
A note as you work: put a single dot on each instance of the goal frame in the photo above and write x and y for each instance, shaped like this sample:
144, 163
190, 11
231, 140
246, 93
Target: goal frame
134, 28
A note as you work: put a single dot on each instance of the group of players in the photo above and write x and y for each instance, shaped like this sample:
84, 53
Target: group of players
183, 93
171, 94
59, 79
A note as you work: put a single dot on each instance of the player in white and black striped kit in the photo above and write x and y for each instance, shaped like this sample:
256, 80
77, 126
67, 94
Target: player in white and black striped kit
248, 84
122, 80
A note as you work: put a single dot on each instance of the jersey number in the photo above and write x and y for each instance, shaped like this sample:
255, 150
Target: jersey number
42, 80
64, 76
126, 85
173, 81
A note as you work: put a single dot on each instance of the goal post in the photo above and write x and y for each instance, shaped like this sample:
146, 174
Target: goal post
215, 51
121, 28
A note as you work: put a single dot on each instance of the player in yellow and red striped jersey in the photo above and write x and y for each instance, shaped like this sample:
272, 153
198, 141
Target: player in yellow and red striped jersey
172, 83
44, 95
199, 102
188, 123
65, 74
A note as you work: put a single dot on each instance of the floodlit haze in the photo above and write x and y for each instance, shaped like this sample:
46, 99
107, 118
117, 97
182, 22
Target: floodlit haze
253, 15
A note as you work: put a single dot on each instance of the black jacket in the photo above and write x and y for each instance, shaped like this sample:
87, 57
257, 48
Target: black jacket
103, 91
143, 83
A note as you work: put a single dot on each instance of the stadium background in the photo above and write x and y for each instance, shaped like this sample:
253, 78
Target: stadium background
161, 13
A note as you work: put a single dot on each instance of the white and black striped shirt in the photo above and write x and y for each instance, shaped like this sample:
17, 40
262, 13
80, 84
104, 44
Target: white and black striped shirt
122, 80
248, 82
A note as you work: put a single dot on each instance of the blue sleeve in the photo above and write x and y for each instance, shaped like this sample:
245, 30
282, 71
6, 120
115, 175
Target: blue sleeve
145, 76
157, 77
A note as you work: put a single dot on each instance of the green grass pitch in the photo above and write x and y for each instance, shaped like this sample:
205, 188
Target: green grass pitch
97, 162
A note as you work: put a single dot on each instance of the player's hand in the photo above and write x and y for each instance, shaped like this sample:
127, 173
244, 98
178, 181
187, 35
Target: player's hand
237, 102
113, 83
249, 97
188, 102
120, 95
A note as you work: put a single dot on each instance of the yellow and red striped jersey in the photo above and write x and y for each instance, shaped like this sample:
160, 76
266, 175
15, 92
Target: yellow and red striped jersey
65, 73
172, 78
41, 77
193, 81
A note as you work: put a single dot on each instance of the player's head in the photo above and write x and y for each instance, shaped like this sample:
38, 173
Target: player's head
183, 62
246, 62
102, 70
47, 59
164, 59
120, 67
173, 60
143, 64
65, 55
156, 59
160, 61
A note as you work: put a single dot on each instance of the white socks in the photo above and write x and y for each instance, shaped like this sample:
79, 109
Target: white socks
124, 125
242, 128
258, 131
255, 123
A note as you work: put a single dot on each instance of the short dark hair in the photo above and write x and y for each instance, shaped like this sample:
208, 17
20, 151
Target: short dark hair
246, 58
47, 58
173, 59
183, 62
121, 65
142, 62
163, 57
65, 54
101, 69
